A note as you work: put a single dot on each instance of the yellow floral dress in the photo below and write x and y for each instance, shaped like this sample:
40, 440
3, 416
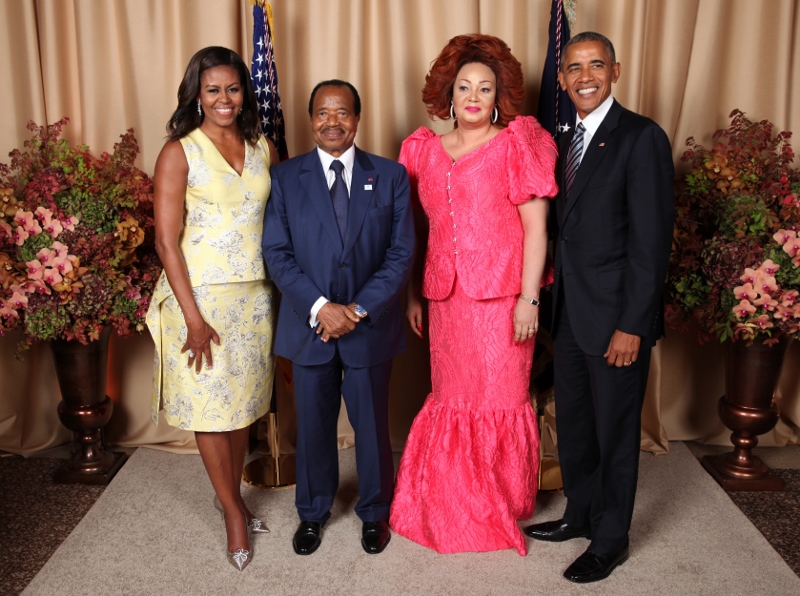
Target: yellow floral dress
221, 244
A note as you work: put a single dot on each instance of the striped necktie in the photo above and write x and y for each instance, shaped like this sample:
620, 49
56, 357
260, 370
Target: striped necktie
340, 197
574, 156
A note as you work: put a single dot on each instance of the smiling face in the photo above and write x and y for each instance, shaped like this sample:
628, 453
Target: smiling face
221, 96
333, 119
474, 93
587, 74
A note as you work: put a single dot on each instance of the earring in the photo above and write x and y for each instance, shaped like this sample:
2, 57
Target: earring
495, 114
452, 111
199, 109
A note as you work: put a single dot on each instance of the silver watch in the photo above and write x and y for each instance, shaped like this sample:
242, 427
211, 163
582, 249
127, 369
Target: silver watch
359, 310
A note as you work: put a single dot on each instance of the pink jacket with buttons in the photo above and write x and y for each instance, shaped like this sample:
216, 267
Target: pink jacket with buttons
475, 229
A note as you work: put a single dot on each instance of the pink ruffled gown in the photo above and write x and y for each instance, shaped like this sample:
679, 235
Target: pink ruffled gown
470, 465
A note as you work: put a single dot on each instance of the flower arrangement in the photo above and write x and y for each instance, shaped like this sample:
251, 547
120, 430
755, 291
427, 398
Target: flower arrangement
76, 241
735, 263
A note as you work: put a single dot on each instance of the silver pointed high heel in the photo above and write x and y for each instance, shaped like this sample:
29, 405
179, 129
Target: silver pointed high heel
240, 558
254, 524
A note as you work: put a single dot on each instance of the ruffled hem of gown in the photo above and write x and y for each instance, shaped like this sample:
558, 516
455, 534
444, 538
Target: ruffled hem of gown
466, 477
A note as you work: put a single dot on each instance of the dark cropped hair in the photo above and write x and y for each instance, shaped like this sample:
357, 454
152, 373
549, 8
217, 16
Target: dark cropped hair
592, 36
185, 118
335, 83
475, 48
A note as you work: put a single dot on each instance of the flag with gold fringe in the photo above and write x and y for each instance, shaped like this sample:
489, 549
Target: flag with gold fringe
265, 77
556, 111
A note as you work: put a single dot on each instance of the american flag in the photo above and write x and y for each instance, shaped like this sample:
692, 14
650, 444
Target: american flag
556, 111
265, 77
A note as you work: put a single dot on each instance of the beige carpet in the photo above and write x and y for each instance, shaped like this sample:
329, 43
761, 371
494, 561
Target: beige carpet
154, 531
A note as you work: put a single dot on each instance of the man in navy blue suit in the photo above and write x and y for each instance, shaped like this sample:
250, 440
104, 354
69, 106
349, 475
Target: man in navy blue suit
615, 213
338, 241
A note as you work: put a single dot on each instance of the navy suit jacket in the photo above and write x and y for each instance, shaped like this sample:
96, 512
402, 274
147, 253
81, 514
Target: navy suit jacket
307, 258
615, 232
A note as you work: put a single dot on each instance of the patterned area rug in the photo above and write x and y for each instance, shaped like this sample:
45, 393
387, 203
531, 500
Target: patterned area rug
36, 515
776, 515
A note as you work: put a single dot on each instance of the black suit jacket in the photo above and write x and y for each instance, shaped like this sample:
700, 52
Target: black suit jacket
615, 232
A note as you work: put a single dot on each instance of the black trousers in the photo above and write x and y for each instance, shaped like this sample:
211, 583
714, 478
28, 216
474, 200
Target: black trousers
598, 420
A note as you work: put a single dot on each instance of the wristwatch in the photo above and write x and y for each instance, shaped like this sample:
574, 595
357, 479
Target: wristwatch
359, 310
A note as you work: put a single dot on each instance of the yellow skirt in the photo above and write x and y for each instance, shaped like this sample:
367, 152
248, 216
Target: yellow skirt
237, 390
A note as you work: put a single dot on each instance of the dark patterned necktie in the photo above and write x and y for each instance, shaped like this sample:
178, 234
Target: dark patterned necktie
340, 197
574, 156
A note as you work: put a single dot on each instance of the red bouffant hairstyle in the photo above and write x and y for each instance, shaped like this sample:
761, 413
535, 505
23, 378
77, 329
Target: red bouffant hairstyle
466, 49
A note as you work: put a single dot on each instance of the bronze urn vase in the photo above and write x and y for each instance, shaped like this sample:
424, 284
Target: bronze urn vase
85, 409
749, 410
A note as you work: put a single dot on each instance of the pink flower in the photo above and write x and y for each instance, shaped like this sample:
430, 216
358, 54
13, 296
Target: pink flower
7, 229
63, 264
39, 287
762, 322
27, 221
789, 298
783, 313
764, 284
749, 275
783, 236
69, 223
18, 298
35, 269
767, 301
792, 246
59, 249
45, 255
6, 311
52, 276
744, 309
745, 291
19, 236
769, 267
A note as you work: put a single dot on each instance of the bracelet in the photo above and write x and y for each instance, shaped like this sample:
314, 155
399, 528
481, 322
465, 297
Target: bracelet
531, 301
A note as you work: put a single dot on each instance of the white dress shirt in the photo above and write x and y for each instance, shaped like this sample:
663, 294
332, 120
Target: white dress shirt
592, 122
347, 158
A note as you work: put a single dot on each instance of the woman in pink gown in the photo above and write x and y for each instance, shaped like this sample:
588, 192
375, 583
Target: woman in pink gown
469, 469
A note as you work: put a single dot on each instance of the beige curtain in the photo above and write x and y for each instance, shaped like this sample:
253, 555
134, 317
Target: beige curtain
114, 64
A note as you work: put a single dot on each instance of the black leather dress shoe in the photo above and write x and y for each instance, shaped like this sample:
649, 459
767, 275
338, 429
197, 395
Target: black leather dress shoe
555, 531
307, 537
591, 567
375, 536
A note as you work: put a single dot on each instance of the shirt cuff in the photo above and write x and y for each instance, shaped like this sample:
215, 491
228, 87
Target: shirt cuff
312, 318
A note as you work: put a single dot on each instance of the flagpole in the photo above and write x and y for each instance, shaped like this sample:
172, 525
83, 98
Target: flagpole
276, 470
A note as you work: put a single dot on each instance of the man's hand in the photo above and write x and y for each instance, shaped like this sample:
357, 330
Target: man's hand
335, 320
623, 349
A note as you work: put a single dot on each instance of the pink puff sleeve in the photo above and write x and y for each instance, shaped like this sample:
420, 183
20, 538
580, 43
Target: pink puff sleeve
410, 151
532, 156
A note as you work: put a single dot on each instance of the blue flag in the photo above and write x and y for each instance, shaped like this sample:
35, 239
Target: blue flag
265, 78
556, 111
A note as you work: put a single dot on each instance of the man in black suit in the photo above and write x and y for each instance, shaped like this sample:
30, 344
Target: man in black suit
615, 215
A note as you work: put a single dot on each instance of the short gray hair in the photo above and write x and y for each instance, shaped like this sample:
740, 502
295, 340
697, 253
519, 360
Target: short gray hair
593, 36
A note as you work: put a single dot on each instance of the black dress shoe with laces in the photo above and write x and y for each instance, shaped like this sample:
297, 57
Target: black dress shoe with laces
555, 531
591, 567
375, 536
307, 537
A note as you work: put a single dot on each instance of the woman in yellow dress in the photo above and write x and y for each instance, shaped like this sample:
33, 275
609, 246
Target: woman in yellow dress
211, 316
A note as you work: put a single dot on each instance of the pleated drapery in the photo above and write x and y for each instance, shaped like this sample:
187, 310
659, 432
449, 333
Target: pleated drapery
110, 65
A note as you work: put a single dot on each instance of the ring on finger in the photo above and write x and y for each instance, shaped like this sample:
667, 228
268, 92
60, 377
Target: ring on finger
626, 363
191, 353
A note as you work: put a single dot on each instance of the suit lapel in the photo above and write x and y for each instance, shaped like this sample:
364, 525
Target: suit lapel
365, 179
594, 155
312, 178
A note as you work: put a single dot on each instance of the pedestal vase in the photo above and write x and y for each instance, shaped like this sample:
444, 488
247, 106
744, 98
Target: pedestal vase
85, 409
749, 410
